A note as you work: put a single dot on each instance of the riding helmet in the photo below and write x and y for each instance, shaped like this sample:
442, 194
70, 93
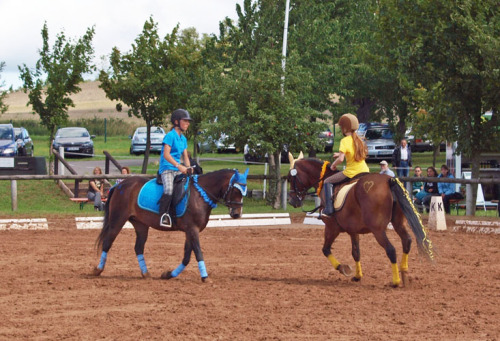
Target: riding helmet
180, 114
349, 122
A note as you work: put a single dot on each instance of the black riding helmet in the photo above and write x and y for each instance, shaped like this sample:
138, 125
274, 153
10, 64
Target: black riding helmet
178, 115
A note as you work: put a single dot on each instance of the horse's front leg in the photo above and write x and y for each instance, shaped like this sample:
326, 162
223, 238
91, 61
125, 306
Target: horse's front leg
331, 233
356, 254
193, 235
182, 266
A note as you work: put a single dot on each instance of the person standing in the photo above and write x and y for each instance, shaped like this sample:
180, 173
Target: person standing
354, 151
173, 148
401, 159
447, 189
384, 168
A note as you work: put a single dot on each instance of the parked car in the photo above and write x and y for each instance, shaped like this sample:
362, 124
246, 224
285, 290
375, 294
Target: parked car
219, 145
363, 127
253, 155
327, 140
380, 143
8, 145
76, 141
24, 142
138, 143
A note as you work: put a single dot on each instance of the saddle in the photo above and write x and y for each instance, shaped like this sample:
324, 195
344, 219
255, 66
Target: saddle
342, 189
152, 191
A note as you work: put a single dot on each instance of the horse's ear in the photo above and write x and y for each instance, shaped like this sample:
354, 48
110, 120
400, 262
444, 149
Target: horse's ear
246, 172
291, 160
301, 156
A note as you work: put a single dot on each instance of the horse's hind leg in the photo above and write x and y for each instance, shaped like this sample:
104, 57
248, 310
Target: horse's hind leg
108, 235
382, 239
141, 236
398, 222
331, 233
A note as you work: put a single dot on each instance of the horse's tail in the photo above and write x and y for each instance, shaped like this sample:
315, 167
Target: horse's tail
411, 214
105, 223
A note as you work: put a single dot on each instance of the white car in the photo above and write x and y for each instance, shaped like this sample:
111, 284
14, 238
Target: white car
138, 144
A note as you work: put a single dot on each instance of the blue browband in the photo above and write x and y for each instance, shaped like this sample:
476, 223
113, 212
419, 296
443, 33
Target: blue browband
203, 193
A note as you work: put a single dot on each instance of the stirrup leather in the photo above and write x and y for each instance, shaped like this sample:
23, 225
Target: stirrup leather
165, 220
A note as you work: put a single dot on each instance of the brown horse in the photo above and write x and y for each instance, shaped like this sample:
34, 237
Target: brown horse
373, 202
227, 186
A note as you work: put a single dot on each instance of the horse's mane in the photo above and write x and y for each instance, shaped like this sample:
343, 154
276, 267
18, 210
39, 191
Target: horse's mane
220, 171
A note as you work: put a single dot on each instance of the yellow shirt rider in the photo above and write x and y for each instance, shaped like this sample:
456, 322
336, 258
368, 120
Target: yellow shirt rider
353, 150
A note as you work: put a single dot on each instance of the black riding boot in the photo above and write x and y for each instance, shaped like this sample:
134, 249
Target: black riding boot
328, 192
164, 202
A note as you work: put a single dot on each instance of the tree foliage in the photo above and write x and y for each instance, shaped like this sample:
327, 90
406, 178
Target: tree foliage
3, 94
156, 77
56, 76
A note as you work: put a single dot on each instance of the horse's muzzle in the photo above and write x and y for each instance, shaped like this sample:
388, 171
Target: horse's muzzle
235, 213
295, 202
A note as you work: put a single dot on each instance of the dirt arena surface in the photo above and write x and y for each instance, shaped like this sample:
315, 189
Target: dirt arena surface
266, 284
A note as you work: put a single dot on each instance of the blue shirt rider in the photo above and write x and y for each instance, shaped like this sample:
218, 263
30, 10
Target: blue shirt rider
174, 148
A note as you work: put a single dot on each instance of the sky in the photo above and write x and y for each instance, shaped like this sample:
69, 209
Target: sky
117, 23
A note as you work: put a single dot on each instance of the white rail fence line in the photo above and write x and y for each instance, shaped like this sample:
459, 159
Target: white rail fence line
24, 224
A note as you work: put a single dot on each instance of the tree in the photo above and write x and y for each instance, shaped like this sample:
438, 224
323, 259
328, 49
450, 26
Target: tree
3, 94
155, 77
56, 76
451, 49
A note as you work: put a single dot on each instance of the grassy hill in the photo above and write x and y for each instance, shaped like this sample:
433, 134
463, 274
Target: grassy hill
90, 102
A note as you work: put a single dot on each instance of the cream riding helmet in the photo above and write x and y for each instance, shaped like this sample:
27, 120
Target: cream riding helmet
348, 123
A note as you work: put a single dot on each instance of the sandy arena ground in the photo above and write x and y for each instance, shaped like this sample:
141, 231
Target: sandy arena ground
266, 284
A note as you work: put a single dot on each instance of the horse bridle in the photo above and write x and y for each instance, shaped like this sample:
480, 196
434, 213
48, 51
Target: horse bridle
225, 200
301, 194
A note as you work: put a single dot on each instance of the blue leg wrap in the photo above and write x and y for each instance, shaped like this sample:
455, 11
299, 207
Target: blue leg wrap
142, 263
178, 270
102, 262
203, 269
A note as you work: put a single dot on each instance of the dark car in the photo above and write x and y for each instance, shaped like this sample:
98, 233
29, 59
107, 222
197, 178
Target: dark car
24, 142
8, 145
76, 141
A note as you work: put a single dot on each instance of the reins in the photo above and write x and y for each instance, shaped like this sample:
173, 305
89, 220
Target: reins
212, 200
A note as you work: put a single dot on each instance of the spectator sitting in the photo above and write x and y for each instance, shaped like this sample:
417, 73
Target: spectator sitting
417, 186
125, 170
96, 190
384, 168
430, 189
447, 189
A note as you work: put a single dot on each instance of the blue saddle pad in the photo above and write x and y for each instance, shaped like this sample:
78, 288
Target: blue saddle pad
151, 193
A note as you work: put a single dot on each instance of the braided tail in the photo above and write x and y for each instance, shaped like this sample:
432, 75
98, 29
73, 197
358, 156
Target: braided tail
413, 217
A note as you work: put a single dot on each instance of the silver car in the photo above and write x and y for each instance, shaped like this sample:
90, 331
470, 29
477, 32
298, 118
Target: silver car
138, 143
380, 143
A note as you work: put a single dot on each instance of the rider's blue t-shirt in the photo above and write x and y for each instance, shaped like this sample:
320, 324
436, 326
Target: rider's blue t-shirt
178, 144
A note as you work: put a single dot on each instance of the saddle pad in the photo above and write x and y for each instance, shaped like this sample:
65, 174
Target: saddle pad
151, 193
341, 195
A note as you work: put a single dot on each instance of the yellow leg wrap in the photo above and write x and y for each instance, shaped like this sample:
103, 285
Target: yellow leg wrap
334, 262
395, 274
359, 273
404, 262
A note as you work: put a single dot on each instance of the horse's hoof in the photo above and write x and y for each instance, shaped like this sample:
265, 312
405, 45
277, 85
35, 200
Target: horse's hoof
166, 275
356, 279
405, 278
206, 280
345, 270
96, 271
146, 275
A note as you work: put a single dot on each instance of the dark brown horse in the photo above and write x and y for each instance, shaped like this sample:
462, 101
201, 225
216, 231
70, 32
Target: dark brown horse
227, 186
373, 202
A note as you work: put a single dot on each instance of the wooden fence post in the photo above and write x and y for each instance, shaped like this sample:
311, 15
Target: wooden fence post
13, 191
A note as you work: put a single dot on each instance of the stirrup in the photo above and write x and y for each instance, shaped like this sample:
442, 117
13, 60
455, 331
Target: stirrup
165, 220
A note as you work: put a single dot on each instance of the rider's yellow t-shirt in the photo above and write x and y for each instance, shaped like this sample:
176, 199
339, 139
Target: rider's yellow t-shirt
353, 167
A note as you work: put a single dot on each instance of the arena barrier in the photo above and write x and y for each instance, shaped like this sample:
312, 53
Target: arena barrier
225, 220
24, 224
476, 226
